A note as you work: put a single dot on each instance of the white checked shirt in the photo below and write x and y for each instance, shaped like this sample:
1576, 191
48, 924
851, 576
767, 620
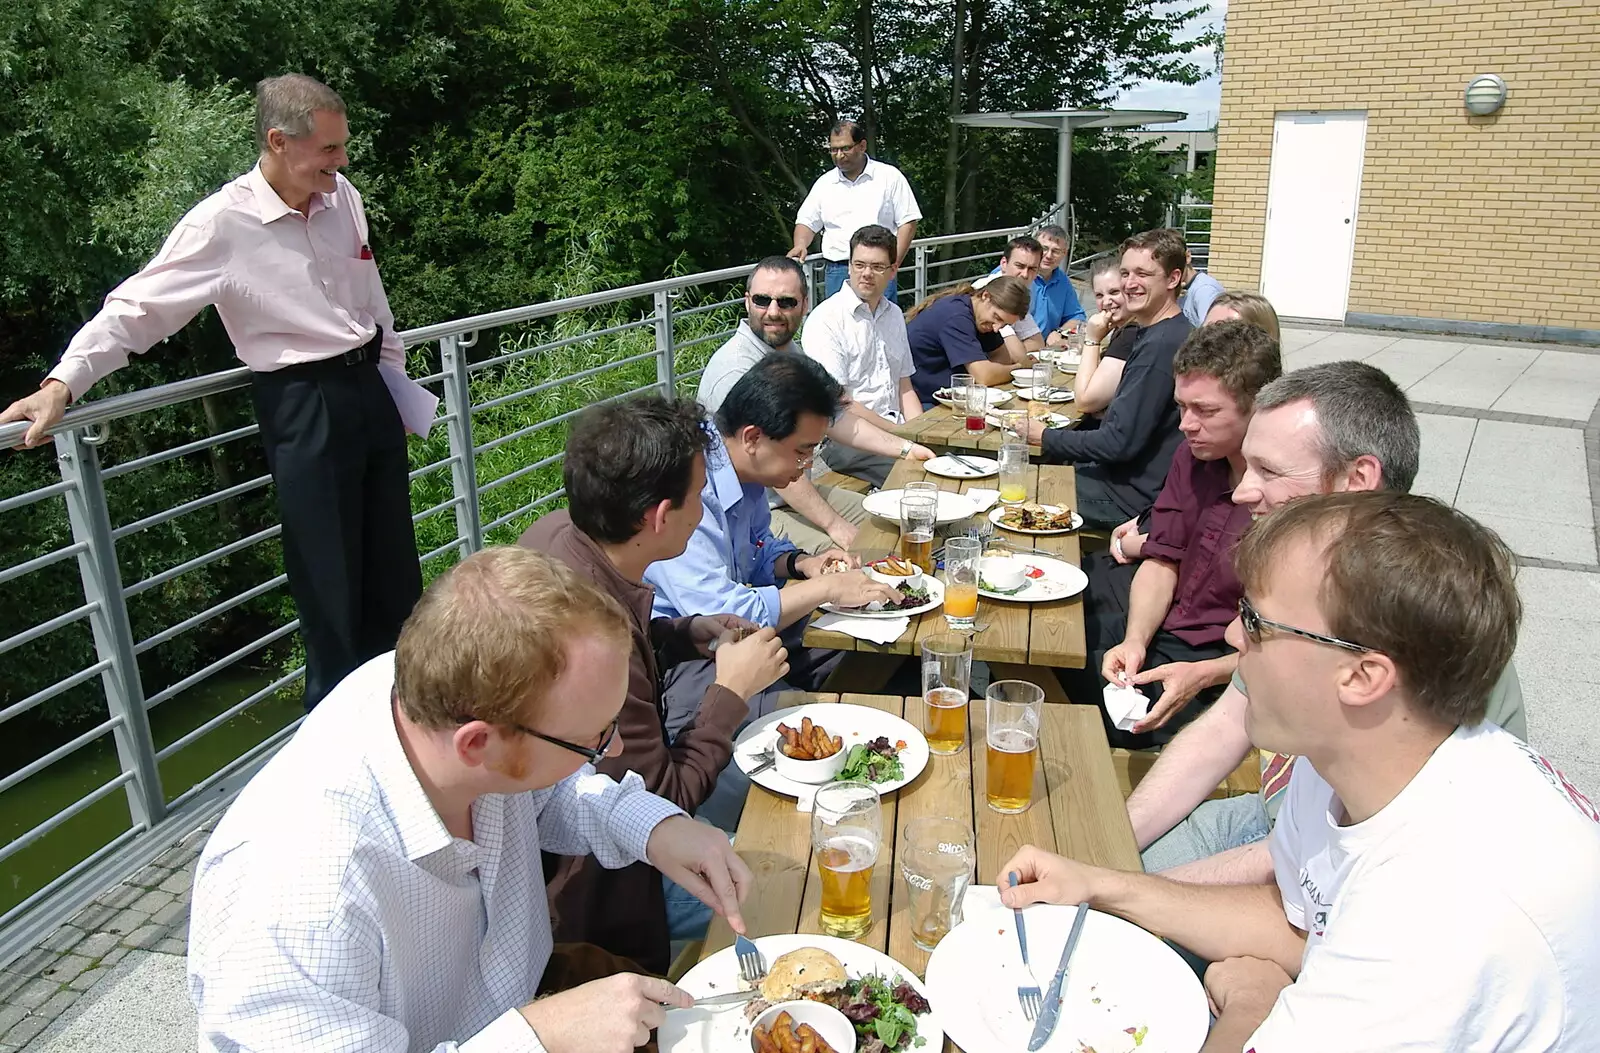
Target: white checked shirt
289, 288
839, 207
333, 911
867, 351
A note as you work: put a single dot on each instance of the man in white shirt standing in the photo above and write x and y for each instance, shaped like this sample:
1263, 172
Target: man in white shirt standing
857, 192
282, 253
859, 336
379, 886
1435, 876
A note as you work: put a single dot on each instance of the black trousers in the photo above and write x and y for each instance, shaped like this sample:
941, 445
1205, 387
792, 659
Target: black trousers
1105, 622
337, 453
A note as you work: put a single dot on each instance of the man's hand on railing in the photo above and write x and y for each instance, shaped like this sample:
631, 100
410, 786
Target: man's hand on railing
44, 408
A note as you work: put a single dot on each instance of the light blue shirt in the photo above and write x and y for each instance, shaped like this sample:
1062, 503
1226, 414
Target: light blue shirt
1199, 297
1053, 302
728, 566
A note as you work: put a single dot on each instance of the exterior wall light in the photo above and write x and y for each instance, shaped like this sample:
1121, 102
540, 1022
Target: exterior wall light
1485, 94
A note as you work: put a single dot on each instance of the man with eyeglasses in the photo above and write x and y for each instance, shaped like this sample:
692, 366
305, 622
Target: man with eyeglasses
378, 885
858, 191
1433, 882
859, 336
1056, 306
1331, 428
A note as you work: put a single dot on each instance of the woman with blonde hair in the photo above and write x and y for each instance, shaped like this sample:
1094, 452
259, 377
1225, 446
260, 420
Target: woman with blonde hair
1248, 306
958, 330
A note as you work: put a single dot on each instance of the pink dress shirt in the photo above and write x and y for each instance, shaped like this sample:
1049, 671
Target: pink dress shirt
290, 288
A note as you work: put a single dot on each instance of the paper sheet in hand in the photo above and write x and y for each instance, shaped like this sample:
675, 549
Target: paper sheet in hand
1125, 705
415, 402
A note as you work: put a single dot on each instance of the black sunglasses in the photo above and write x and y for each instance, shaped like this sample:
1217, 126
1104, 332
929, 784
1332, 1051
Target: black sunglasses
594, 755
763, 301
1252, 621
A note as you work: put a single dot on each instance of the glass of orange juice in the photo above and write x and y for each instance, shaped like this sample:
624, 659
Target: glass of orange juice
961, 581
1013, 473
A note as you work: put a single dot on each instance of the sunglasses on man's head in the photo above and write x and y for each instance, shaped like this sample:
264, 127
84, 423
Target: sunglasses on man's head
763, 301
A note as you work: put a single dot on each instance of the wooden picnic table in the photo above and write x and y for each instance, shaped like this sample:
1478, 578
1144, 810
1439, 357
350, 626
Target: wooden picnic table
1078, 811
1036, 634
940, 428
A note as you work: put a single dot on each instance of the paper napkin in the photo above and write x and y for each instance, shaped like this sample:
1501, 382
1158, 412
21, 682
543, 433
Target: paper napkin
1125, 705
872, 630
985, 499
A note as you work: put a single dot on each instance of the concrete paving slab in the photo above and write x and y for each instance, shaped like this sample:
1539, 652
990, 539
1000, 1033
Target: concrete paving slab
1295, 339
143, 1007
1409, 361
1558, 384
1556, 664
1475, 377
1446, 442
1345, 343
1531, 483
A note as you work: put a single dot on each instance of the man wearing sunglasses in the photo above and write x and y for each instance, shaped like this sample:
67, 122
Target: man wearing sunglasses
378, 885
1435, 877
1340, 426
857, 192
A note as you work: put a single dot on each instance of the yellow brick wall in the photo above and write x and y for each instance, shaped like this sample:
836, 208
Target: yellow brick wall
1493, 219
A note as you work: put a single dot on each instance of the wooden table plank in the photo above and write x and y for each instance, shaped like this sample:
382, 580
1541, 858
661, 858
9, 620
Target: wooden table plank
1086, 805
883, 871
1057, 636
778, 851
1000, 836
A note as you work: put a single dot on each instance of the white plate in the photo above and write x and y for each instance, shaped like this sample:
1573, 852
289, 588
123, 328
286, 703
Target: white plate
951, 468
933, 585
727, 1030
1057, 394
1052, 420
1121, 977
1060, 581
994, 517
885, 504
995, 396
854, 724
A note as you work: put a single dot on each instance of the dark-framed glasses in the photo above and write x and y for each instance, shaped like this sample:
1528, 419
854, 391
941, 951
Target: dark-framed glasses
763, 301
594, 754
1251, 620
871, 268
835, 151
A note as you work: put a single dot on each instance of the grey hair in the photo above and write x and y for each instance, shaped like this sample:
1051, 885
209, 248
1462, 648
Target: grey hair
1360, 412
287, 103
1052, 230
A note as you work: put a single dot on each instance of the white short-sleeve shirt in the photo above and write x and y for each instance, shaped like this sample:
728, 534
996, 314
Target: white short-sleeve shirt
1463, 916
839, 207
866, 350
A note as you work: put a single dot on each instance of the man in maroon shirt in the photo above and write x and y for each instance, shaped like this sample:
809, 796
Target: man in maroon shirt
1164, 634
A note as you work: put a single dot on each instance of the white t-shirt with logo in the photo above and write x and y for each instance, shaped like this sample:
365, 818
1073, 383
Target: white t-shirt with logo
1464, 916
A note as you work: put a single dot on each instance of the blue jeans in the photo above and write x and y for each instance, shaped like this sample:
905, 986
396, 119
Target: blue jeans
1215, 826
837, 273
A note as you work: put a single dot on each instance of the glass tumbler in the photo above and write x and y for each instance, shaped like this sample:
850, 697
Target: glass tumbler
846, 836
1014, 712
946, 684
936, 859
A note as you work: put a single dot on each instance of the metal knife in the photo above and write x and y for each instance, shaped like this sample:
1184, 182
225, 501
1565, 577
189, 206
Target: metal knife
1046, 1023
735, 998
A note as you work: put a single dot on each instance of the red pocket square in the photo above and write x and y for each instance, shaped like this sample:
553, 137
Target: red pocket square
366, 253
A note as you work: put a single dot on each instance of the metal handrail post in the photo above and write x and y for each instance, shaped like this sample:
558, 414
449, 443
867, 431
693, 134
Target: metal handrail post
463, 459
665, 365
922, 273
90, 518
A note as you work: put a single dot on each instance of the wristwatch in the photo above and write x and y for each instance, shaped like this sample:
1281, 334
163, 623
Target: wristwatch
905, 448
1087, 344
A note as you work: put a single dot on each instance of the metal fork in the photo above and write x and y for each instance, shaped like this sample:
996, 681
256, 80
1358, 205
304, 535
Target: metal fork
752, 967
1029, 997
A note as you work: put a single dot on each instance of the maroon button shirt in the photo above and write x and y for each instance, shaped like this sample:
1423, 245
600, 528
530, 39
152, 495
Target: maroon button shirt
1196, 526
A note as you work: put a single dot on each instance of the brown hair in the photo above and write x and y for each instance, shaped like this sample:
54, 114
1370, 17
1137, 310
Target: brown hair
1165, 244
1007, 292
1252, 308
287, 103
1111, 264
490, 636
1243, 357
1406, 575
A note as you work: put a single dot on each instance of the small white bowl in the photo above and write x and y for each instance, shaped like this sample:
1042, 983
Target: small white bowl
833, 1026
1005, 573
895, 579
1029, 376
810, 772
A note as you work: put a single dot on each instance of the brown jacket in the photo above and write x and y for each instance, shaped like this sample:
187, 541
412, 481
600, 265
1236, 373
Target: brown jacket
624, 911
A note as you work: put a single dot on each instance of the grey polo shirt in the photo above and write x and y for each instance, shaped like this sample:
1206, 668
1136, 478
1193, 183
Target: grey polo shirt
732, 361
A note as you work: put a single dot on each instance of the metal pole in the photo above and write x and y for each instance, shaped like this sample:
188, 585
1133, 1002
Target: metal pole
113, 634
922, 273
665, 375
463, 458
1064, 171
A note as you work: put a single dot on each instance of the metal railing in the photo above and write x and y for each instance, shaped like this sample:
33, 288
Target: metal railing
500, 435
1194, 219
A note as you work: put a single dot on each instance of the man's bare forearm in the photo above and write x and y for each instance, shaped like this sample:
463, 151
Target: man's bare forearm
1245, 865
877, 420
1234, 1028
1149, 600
802, 496
1189, 768
1213, 921
859, 434
903, 237
803, 237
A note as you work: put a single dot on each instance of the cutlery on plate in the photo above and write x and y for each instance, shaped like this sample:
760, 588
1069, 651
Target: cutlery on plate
752, 967
764, 761
1052, 998
1028, 995
722, 1001
968, 465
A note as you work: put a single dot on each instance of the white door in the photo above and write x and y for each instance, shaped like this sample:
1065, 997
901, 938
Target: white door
1313, 193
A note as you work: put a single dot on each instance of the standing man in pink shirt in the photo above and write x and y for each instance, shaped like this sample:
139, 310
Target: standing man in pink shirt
282, 253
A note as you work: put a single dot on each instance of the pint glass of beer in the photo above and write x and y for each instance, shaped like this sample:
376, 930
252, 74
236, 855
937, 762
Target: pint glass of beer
919, 514
1014, 710
946, 679
846, 832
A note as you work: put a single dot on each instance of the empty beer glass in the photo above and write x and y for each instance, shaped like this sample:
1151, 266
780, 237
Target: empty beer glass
936, 857
846, 834
1014, 710
946, 681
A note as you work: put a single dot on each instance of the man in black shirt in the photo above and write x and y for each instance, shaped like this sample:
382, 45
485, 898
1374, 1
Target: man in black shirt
1122, 463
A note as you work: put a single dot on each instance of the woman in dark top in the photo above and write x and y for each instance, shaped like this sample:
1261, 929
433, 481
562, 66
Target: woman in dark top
958, 331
